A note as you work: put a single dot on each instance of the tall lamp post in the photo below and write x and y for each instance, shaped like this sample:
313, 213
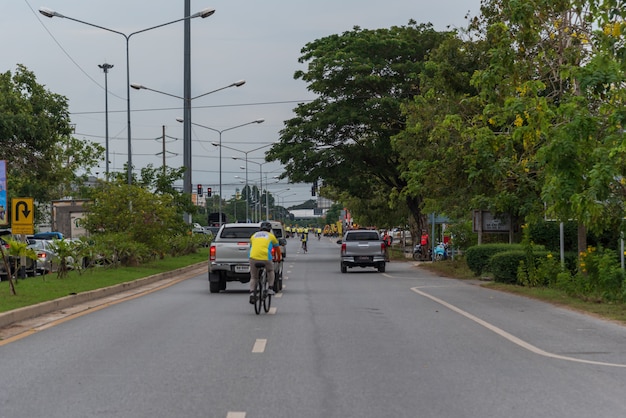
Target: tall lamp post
187, 138
106, 67
215, 144
51, 13
220, 132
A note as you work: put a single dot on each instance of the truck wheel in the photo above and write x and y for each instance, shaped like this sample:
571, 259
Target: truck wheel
381, 267
214, 287
344, 269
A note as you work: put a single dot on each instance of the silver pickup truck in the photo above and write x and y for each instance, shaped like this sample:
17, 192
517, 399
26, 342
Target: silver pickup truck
228, 255
362, 248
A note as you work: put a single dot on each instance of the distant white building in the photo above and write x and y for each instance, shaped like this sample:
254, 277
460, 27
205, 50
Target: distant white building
307, 213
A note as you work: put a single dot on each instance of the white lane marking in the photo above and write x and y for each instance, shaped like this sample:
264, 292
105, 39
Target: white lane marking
278, 295
272, 311
259, 345
233, 414
510, 337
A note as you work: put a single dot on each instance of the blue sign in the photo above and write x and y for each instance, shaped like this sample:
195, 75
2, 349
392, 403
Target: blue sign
4, 220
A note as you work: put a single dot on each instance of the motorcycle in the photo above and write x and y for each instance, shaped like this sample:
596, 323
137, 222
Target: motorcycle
418, 252
440, 252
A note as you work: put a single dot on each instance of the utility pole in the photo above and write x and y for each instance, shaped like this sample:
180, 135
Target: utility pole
106, 67
163, 150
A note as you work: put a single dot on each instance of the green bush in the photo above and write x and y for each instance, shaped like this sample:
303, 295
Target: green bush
599, 277
504, 265
184, 244
478, 256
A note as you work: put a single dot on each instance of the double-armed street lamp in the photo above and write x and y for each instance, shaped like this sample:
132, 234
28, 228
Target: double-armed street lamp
220, 132
215, 144
187, 188
203, 14
261, 181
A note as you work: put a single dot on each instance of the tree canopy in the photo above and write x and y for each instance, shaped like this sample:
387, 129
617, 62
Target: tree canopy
43, 158
361, 77
521, 112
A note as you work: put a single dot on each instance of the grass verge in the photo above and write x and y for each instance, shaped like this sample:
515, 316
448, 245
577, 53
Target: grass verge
39, 289
458, 269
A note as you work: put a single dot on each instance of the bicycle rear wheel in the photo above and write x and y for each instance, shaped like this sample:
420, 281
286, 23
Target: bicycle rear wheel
259, 293
267, 298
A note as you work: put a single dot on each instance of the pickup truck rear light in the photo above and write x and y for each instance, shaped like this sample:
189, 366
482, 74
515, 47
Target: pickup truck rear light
343, 249
212, 252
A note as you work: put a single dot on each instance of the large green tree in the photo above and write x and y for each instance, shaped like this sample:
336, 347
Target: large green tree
362, 78
43, 158
551, 127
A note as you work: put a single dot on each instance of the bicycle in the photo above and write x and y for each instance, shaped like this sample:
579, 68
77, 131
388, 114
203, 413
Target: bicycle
261, 297
304, 246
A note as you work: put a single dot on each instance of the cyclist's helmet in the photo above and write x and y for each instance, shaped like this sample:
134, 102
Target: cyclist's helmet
266, 226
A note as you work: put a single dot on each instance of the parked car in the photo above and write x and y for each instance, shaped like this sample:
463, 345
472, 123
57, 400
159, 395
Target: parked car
14, 262
48, 235
46, 257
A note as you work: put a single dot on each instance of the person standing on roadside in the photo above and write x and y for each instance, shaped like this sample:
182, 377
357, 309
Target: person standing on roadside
388, 240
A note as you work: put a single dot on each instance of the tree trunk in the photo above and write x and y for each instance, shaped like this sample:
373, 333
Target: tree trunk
415, 207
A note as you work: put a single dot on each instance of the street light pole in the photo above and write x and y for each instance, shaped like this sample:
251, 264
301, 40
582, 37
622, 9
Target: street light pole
106, 67
187, 136
236, 158
51, 13
220, 153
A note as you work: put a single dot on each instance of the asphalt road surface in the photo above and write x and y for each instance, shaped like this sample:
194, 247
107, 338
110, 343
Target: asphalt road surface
404, 343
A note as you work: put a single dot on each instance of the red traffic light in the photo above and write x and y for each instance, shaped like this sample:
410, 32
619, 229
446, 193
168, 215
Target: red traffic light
199, 190
208, 191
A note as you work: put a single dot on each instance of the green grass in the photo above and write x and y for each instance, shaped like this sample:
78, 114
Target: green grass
458, 269
33, 290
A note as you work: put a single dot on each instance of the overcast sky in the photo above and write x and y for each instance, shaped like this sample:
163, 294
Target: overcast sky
257, 41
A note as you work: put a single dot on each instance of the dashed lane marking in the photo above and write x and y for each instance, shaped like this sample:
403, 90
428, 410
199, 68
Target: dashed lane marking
259, 345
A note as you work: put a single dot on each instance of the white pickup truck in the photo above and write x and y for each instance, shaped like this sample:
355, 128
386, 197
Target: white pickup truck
228, 255
362, 248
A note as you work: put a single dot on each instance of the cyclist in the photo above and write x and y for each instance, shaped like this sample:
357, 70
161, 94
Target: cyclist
261, 245
305, 238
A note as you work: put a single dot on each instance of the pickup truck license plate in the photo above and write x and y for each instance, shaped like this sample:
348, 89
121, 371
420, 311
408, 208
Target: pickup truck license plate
242, 268
362, 258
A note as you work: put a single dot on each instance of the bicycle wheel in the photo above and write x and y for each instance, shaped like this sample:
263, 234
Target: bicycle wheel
267, 298
259, 293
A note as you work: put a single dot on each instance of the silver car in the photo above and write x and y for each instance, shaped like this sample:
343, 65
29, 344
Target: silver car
46, 257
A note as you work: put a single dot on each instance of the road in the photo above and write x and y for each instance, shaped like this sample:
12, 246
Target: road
404, 343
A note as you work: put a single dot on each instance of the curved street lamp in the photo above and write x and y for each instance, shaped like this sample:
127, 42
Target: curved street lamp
51, 13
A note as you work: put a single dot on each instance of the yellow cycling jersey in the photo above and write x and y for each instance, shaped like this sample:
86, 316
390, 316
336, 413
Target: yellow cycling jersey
261, 244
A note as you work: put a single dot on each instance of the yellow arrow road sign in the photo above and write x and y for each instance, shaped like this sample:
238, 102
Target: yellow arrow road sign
22, 212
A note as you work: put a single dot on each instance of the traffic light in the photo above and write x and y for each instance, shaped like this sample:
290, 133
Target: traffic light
199, 190
208, 192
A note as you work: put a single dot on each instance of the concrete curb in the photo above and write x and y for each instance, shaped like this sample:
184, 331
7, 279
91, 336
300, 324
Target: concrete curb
28, 312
